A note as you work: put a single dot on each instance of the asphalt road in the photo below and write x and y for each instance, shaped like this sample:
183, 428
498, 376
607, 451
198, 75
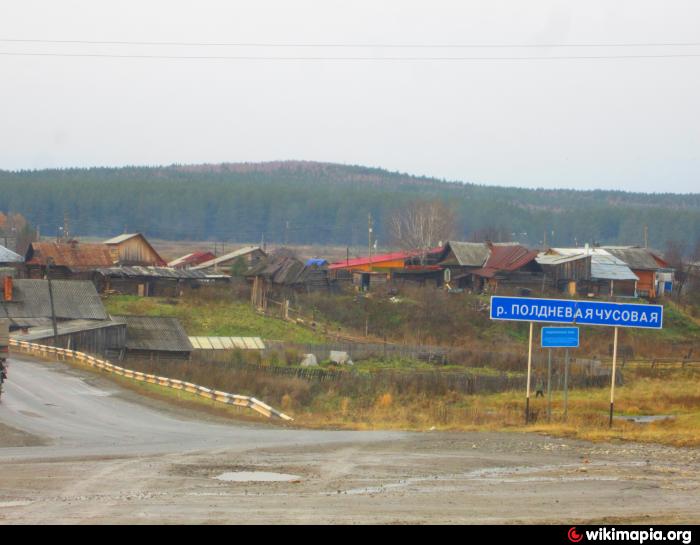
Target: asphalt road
77, 448
79, 414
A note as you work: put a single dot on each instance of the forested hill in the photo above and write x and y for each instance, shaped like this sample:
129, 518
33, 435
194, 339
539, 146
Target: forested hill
308, 202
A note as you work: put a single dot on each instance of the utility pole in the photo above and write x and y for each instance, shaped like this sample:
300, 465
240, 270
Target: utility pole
646, 236
369, 239
66, 235
53, 308
286, 232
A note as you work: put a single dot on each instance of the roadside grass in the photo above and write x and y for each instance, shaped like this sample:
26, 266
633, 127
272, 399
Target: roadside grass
671, 392
224, 316
678, 397
403, 401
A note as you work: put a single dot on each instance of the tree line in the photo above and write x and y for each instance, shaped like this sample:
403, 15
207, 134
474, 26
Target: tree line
321, 203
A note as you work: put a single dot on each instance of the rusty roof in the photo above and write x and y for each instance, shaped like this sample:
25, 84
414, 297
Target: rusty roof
74, 255
506, 259
190, 260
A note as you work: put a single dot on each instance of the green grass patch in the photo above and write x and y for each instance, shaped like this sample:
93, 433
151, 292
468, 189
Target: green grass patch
224, 317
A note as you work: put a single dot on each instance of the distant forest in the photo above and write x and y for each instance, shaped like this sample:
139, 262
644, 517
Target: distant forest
320, 203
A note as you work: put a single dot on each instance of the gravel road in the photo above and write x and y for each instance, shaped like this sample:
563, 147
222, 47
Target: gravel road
77, 448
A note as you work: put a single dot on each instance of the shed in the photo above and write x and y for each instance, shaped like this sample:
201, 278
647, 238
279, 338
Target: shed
133, 249
98, 337
30, 303
565, 272
152, 281
221, 348
155, 337
509, 264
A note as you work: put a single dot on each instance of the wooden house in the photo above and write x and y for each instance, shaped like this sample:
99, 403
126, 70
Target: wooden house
69, 260
133, 249
648, 267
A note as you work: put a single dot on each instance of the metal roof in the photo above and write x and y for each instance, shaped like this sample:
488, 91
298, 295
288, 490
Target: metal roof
157, 333
64, 328
635, 258
468, 254
8, 256
73, 300
122, 238
506, 258
555, 259
152, 272
604, 265
195, 258
227, 343
75, 255
227, 257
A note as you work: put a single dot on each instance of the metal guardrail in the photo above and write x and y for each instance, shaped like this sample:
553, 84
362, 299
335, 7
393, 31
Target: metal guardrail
216, 395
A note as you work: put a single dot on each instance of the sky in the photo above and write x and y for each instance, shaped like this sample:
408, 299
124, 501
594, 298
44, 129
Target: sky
630, 120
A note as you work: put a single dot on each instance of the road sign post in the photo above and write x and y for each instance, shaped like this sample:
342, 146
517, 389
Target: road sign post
612, 383
529, 374
566, 384
568, 311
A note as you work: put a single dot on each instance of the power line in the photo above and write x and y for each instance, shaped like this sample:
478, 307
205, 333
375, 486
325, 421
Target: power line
328, 58
351, 45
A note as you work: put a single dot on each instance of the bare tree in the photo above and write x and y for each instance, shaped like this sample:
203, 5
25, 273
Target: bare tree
683, 267
422, 225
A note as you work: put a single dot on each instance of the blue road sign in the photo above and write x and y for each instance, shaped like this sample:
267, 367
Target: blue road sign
567, 311
560, 337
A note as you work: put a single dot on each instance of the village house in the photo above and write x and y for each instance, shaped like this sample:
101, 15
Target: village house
133, 249
654, 273
508, 265
236, 262
461, 259
72, 259
283, 275
381, 268
566, 272
610, 276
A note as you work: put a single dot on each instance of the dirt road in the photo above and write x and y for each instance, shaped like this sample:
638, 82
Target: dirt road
75, 448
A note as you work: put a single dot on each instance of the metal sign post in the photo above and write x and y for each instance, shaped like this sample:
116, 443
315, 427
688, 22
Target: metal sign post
567, 311
566, 384
549, 386
612, 384
558, 337
529, 374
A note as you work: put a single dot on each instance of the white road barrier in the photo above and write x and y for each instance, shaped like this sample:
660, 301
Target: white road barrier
221, 397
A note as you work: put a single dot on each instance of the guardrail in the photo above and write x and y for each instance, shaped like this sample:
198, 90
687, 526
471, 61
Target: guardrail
45, 351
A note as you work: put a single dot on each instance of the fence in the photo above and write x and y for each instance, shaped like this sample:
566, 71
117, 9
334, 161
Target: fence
47, 352
363, 350
433, 382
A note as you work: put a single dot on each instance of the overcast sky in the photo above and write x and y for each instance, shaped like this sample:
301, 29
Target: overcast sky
627, 123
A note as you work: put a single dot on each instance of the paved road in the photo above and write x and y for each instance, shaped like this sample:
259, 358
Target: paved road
113, 457
80, 414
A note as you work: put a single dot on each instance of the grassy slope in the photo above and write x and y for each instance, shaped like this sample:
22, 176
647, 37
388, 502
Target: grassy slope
212, 318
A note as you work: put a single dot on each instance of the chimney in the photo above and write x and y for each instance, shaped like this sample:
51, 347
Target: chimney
7, 287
